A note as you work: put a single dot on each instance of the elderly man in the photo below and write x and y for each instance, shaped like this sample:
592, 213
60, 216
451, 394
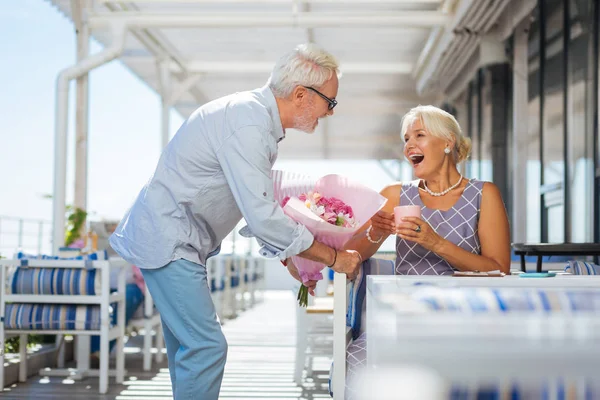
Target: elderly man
215, 171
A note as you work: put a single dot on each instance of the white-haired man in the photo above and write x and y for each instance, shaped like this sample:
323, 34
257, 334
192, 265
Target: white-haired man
215, 171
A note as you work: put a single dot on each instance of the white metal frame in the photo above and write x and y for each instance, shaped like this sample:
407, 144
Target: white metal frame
342, 334
104, 299
150, 322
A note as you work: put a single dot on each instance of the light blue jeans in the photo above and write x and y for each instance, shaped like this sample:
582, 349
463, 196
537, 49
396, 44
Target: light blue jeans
196, 346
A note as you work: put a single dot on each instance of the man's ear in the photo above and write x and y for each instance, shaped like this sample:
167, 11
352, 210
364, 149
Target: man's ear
299, 95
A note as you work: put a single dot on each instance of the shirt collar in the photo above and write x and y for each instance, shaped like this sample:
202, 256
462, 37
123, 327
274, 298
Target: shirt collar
278, 131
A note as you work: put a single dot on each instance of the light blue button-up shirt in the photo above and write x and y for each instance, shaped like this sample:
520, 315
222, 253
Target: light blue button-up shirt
215, 170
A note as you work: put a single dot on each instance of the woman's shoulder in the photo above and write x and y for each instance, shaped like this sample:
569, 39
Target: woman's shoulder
391, 190
486, 189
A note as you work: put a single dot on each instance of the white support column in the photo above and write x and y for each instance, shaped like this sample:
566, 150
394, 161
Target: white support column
82, 105
520, 133
165, 93
82, 33
61, 127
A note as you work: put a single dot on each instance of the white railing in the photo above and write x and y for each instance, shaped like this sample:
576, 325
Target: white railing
25, 234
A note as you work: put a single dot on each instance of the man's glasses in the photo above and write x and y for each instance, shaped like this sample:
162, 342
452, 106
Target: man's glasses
332, 102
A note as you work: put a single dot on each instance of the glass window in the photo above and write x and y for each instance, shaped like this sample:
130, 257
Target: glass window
581, 92
486, 169
473, 163
533, 148
553, 128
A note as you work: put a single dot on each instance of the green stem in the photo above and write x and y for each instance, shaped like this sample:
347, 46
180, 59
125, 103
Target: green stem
303, 296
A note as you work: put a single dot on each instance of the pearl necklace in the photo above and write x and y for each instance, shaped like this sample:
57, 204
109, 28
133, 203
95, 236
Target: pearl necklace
437, 194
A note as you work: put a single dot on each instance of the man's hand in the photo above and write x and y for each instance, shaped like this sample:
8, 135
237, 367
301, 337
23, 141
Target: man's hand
311, 285
347, 262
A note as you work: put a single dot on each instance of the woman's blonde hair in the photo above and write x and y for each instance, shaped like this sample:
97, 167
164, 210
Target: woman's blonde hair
442, 124
306, 65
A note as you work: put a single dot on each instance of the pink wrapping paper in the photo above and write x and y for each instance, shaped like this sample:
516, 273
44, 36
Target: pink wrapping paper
365, 202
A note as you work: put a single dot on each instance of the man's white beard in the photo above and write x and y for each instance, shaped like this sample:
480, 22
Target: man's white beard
304, 122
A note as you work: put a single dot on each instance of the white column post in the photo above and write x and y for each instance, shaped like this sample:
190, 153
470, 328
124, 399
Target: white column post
165, 93
82, 105
61, 127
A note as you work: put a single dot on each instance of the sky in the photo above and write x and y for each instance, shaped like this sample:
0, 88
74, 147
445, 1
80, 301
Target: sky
36, 43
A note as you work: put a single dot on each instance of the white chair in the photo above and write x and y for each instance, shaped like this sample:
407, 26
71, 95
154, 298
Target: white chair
215, 269
63, 297
314, 335
152, 326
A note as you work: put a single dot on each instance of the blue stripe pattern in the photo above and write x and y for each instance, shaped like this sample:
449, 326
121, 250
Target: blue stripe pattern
52, 316
62, 281
582, 268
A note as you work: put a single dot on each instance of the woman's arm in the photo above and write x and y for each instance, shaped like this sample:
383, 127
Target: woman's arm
494, 236
382, 222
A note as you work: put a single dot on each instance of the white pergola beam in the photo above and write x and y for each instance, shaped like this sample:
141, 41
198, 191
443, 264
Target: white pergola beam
267, 67
369, 2
239, 67
404, 19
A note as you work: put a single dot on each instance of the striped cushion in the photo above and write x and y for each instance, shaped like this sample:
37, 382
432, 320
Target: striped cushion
67, 281
582, 268
64, 281
52, 316
97, 256
500, 300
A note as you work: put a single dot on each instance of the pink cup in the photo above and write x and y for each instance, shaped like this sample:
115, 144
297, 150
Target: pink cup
406, 211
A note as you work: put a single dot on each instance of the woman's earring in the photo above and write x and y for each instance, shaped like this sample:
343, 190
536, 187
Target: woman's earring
447, 150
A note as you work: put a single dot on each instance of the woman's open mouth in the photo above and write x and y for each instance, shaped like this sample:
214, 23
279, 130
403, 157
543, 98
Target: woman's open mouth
416, 159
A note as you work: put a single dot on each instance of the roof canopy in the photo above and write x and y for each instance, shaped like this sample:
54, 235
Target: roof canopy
207, 49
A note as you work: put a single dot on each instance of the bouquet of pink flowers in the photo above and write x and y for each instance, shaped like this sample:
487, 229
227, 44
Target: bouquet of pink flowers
332, 208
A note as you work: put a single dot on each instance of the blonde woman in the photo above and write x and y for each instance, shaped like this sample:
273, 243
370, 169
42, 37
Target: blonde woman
463, 224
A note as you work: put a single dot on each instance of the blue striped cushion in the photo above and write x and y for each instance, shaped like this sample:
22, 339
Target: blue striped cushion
97, 256
582, 268
64, 281
502, 300
52, 316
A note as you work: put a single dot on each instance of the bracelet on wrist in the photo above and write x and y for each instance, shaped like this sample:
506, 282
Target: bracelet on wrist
334, 259
370, 239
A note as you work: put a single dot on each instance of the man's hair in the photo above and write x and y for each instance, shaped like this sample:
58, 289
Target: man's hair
441, 124
307, 65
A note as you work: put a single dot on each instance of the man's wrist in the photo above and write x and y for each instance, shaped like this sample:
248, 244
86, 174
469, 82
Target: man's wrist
335, 254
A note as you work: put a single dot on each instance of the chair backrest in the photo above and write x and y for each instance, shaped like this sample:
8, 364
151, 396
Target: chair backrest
582, 268
348, 313
25, 279
356, 297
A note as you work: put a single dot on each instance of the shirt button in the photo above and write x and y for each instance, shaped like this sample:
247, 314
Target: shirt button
265, 194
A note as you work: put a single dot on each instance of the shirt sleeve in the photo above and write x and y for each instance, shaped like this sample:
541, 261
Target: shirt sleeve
245, 158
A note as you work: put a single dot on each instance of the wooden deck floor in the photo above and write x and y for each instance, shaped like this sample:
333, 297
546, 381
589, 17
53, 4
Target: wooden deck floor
260, 365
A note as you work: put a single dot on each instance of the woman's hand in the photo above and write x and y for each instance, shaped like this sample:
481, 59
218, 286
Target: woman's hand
383, 224
418, 231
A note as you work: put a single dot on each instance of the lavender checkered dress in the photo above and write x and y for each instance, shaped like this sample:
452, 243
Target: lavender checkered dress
458, 225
